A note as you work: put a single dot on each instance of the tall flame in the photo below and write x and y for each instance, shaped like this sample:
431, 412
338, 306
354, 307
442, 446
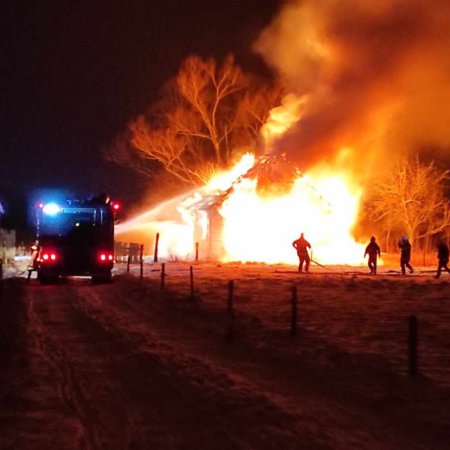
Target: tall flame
233, 219
261, 224
257, 228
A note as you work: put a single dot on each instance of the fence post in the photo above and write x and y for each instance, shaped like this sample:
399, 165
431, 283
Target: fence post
191, 274
196, 251
229, 333
128, 261
155, 256
141, 260
163, 275
294, 311
413, 331
1, 269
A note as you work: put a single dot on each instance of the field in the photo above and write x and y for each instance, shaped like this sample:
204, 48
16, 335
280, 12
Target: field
135, 365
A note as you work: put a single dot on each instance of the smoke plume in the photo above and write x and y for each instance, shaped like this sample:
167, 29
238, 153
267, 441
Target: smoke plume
375, 76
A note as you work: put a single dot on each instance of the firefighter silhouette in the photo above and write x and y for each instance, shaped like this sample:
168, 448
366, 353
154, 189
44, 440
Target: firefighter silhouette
34, 255
373, 250
302, 245
405, 254
443, 256
34, 259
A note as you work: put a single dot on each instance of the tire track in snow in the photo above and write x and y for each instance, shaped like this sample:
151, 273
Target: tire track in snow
288, 422
231, 402
69, 387
33, 411
137, 404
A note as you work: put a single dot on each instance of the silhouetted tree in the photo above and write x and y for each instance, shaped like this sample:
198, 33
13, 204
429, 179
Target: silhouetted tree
410, 199
206, 112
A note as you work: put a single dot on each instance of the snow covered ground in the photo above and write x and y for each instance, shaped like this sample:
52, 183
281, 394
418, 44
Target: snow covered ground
132, 365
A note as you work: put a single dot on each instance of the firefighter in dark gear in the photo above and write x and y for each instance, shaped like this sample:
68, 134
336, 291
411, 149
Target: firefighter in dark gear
373, 250
34, 259
443, 256
302, 245
34, 256
405, 255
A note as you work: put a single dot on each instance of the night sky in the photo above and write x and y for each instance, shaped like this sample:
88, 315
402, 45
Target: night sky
72, 74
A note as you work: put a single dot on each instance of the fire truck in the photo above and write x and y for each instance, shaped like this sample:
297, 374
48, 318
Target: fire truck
76, 237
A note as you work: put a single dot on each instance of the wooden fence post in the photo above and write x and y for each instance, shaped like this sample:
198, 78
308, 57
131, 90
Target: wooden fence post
141, 260
413, 331
294, 311
196, 251
229, 333
155, 256
191, 274
128, 261
163, 275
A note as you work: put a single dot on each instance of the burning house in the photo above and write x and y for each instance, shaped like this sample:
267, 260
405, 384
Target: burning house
252, 213
271, 175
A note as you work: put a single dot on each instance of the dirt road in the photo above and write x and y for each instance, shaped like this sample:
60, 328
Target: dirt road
125, 366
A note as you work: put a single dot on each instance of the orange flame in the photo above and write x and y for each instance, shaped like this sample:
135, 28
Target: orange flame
323, 205
257, 227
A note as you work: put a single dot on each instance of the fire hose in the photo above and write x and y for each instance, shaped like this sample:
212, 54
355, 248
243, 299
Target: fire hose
315, 262
320, 265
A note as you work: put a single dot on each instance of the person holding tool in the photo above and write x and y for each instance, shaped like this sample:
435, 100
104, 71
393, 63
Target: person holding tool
302, 245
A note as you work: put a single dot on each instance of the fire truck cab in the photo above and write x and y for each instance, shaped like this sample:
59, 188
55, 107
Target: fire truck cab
76, 237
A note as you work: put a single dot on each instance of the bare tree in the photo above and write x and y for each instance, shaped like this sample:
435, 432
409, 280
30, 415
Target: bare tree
206, 112
410, 199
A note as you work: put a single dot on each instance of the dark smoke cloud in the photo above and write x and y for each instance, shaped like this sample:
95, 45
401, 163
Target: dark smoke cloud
376, 75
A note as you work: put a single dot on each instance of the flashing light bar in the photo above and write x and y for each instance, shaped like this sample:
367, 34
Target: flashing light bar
50, 209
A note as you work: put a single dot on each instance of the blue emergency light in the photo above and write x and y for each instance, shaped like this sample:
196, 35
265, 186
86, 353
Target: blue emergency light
51, 209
